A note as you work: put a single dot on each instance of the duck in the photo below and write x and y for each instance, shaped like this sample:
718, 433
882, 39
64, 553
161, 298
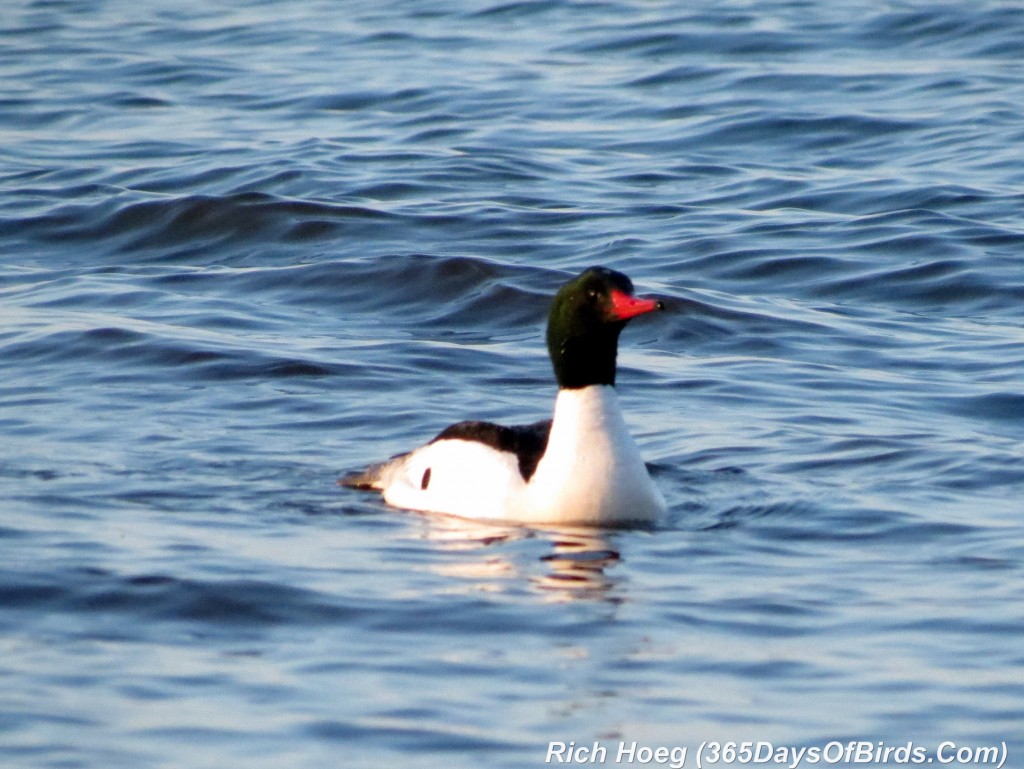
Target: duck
579, 468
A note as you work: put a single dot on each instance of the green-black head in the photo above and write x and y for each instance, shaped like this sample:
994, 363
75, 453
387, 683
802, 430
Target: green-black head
587, 316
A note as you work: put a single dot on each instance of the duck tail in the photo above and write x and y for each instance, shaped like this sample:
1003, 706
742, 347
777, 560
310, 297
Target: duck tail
370, 479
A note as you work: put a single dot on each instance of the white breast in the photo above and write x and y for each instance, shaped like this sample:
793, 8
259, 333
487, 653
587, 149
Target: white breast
591, 472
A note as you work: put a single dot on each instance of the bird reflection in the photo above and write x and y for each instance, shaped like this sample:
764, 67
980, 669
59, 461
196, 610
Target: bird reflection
577, 566
574, 569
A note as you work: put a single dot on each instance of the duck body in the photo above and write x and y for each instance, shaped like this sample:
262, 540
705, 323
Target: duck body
582, 467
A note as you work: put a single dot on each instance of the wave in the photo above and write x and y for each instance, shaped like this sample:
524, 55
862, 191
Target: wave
230, 602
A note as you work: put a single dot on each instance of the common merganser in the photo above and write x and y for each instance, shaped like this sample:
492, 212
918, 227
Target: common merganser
579, 468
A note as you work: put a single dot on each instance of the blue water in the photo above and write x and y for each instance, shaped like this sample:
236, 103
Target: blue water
247, 246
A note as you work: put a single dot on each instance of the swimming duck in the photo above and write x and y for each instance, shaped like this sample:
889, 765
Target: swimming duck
579, 468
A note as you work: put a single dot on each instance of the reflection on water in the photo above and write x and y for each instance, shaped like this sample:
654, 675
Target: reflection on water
574, 568
577, 567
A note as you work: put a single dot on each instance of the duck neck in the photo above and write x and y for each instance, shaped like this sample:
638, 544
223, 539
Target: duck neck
582, 413
586, 360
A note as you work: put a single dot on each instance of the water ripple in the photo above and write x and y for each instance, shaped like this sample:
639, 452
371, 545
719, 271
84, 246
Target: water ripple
249, 246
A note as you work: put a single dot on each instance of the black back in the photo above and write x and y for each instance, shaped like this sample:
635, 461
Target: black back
527, 442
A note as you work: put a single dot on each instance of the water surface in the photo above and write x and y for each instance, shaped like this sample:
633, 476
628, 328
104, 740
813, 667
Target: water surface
248, 246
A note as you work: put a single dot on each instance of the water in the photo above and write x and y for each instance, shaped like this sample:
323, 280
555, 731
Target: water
248, 246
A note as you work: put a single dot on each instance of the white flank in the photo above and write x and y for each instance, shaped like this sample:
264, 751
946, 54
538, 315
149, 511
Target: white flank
467, 478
